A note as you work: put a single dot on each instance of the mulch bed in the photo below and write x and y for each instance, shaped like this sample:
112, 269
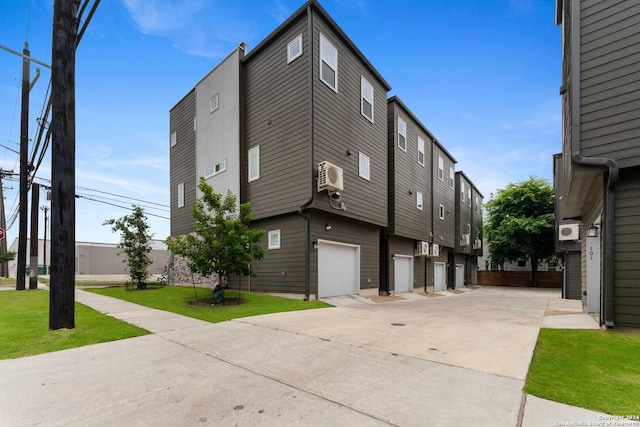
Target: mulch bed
208, 302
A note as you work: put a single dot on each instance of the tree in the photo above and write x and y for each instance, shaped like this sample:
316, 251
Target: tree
6, 256
222, 243
520, 224
134, 244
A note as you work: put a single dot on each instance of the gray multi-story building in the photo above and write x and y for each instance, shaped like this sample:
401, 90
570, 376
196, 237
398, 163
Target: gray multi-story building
301, 128
600, 151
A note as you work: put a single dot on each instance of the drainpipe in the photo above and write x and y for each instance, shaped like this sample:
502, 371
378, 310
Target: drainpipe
611, 165
302, 210
426, 269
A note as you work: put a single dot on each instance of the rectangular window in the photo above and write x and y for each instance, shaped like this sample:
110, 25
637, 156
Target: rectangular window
213, 103
365, 166
469, 229
174, 139
441, 211
254, 163
216, 169
274, 239
366, 99
452, 179
421, 151
469, 197
461, 191
477, 205
419, 200
402, 134
328, 63
181, 194
440, 168
294, 49
194, 125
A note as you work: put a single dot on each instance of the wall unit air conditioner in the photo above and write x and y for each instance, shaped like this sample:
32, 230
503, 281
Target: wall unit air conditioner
329, 177
465, 240
435, 250
477, 244
422, 248
569, 232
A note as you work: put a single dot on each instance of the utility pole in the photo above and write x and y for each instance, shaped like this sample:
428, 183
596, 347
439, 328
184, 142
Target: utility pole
45, 209
4, 267
63, 154
24, 172
33, 247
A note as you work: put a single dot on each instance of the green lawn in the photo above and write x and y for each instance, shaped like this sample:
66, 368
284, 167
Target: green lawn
598, 370
176, 298
24, 326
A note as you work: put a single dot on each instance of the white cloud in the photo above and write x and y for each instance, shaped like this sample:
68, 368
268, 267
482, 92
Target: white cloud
124, 185
160, 17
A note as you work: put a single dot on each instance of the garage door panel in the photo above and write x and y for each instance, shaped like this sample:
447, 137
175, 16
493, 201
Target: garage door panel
338, 269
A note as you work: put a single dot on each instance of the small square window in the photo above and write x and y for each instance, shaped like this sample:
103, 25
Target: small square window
274, 239
254, 163
402, 134
213, 103
181, 195
440, 168
366, 98
216, 169
328, 63
441, 211
419, 200
294, 49
365, 166
452, 180
421, 151
174, 139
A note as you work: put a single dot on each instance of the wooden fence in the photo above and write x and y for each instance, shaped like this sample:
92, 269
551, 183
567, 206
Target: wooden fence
546, 279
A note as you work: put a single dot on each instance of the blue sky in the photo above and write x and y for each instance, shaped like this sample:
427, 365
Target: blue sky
483, 76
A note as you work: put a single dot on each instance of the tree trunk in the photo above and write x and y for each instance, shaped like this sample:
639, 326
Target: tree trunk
534, 271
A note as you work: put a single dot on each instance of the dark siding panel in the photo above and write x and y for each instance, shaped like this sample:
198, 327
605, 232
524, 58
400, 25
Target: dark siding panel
339, 128
627, 249
573, 286
277, 119
463, 213
183, 163
443, 230
609, 73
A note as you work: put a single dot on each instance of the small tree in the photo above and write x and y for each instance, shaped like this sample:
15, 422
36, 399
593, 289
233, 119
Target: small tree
520, 224
222, 243
134, 244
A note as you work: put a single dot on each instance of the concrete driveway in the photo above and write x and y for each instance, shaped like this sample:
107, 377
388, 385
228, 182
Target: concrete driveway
439, 361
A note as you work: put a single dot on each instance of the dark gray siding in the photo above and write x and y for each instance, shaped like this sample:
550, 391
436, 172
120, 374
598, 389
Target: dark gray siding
627, 249
276, 117
182, 161
341, 132
572, 276
463, 213
610, 80
476, 221
407, 177
443, 230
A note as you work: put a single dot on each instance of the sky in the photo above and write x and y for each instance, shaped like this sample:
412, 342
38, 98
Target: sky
483, 76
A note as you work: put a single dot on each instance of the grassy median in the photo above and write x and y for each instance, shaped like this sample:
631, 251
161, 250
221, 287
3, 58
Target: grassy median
593, 369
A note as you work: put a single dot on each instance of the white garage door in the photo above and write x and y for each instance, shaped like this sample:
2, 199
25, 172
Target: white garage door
459, 276
402, 273
439, 281
338, 269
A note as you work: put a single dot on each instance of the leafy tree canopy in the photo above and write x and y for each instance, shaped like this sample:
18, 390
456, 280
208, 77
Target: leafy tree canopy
222, 243
520, 223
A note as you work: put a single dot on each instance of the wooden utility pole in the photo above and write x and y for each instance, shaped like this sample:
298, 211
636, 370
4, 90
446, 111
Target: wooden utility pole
24, 170
63, 154
33, 246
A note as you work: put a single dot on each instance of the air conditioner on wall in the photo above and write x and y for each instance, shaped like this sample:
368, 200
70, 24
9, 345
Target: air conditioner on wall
329, 177
569, 232
422, 248
477, 244
435, 250
465, 240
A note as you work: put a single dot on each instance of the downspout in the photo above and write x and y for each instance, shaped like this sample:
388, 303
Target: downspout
426, 269
611, 165
302, 209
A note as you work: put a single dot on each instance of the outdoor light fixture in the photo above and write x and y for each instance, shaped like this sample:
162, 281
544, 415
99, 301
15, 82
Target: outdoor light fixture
327, 227
315, 244
592, 231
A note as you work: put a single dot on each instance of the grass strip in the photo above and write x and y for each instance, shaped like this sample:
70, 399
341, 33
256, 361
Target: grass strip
592, 369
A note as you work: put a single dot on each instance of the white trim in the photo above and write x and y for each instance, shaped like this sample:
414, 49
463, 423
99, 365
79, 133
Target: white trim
181, 195
296, 41
419, 200
256, 150
213, 172
213, 106
364, 84
324, 45
402, 132
174, 138
361, 157
274, 233
452, 178
420, 150
441, 211
440, 168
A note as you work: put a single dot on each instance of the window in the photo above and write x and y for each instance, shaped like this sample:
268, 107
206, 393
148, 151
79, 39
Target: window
469, 197
365, 167
174, 139
216, 169
421, 151
194, 125
213, 103
461, 191
366, 97
452, 180
294, 49
469, 229
254, 163
477, 205
402, 134
419, 200
440, 168
328, 63
441, 211
274, 239
181, 194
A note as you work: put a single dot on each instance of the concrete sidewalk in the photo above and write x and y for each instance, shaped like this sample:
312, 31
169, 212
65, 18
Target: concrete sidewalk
452, 361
